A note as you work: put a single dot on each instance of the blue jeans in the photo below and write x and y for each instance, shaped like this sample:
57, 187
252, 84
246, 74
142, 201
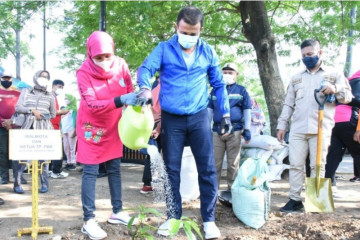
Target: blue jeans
193, 130
4, 153
19, 169
89, 176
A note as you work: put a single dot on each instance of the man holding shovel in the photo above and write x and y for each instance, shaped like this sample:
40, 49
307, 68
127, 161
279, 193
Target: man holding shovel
301, 107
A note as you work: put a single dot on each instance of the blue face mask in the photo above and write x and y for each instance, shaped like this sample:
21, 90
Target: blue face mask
310, 62
187, 41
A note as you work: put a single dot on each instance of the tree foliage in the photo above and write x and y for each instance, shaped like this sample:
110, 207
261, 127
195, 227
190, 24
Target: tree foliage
137, 27
14, 15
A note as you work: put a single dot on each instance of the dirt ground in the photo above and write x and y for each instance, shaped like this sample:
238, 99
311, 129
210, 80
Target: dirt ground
61, 208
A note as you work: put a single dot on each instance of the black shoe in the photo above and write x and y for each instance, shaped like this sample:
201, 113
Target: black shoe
4, 181
292, 206
355, 179
70, 167
2, 201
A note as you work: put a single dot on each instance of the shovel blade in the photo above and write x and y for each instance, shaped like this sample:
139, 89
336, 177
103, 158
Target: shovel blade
322, 202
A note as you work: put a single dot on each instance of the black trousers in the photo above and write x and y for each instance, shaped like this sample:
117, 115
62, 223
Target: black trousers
342, 138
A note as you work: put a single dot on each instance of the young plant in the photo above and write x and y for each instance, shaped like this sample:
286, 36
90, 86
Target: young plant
146, 231
188, 225
142, 230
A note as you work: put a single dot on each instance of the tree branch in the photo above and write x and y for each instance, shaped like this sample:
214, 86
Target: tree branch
221, 10
272, 16
228, 37
342, 23
5, 41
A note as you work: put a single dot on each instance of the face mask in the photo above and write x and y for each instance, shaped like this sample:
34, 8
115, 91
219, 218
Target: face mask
228, 79
58, 91
310, 62
6, 84
43, 82
187, 41
66, 101
104, 64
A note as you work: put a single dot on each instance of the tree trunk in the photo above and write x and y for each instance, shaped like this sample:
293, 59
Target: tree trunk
347, 69
17, 34
257, 30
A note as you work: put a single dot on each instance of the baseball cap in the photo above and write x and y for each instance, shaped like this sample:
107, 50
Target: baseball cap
230, 66
6, 74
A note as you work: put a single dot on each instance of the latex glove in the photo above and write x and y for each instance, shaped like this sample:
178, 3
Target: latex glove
247, 135
128, 99
226, 127
144, 97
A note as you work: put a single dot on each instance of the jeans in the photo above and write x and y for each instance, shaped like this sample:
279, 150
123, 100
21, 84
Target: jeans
56, 165
19, 169
342, 138
4, 153
89, 176
147, 178
176, 131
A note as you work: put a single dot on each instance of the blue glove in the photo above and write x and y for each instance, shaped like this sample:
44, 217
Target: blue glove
226, 127
144, 97
246, 134
126, 99
331, 98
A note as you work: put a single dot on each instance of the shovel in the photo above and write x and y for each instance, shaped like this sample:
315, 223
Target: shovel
318, 190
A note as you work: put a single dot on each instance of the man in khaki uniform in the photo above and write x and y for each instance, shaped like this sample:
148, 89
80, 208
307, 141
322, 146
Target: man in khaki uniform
300, 106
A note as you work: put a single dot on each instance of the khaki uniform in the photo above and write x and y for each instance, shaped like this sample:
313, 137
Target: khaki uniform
301, 108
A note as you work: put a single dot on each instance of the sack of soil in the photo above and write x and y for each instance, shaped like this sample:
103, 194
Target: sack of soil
251, 193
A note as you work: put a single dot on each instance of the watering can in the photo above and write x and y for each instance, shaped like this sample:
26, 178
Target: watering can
135, 127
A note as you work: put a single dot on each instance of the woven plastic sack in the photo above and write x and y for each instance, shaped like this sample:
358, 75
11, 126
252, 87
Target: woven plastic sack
189, 184
280, 154
251, 193
263, 141
255, 153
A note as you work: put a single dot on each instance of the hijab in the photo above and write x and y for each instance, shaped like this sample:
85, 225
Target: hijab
99, 43
72, 104
35, 80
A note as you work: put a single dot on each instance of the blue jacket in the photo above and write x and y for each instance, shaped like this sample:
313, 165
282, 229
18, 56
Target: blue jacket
184, 91
239, 101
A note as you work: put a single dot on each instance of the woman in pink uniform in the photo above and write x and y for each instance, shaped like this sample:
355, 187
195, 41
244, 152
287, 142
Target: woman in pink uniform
104, 84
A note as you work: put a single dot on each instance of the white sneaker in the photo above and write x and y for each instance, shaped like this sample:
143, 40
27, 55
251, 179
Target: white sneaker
59, 175
64, 174
122, 217
164, 229
211, 230
93, 230
335, 192
49, 173
56, 175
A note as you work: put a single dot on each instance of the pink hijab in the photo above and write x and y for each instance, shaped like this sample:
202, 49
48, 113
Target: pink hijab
99, 43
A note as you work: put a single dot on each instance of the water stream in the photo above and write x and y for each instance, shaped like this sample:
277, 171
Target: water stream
160, 181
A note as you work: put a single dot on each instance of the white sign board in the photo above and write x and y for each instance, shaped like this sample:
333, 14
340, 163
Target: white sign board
30, 144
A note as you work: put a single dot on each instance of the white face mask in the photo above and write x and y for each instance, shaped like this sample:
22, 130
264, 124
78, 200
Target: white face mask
104, 64
229, 79
58, 91
187, 41
43, 82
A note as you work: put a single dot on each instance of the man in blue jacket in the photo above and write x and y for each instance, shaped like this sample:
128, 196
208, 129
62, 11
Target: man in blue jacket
185, 63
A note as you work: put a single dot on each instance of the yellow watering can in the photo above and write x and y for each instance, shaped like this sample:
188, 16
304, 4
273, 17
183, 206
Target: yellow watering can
135, 127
